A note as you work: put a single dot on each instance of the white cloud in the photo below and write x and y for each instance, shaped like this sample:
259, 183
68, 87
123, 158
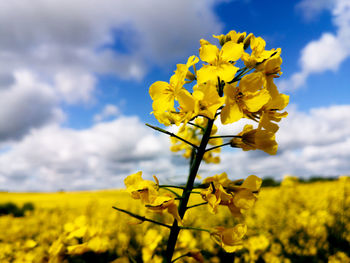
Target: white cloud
52, 158
310, 9
73, 87
313, 143
108, 111
327, 52
67, 44
28, 103
54, 35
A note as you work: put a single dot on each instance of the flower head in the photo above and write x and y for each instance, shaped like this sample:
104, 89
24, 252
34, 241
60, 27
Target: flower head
141, 189
230, 239
219, 61
252, 139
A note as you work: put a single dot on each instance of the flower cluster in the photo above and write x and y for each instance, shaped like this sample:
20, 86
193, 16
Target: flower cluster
147, 192
196, 96
222, 89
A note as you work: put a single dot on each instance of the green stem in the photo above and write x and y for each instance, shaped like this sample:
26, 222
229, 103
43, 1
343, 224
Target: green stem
218, 146
195, 125
195, 163
195, 228
204, 203
142, 218
170, 186
171, 135
172, 191
180, 257
225, 136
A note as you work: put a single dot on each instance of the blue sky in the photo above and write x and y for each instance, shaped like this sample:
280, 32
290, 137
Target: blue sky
74, 79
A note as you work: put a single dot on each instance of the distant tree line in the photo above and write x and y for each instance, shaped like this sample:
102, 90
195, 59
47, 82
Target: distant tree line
270, 181
10, 208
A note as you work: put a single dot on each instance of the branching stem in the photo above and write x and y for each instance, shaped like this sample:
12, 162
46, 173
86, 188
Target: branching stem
218, 146
192, 206
172, 135
142, 218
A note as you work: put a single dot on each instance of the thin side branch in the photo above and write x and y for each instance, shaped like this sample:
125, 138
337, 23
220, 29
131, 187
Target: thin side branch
195, 228
172, 135
225, 136
172, 191
171, 186
142, 218
195, 125
182, 256
204, 203
218, 146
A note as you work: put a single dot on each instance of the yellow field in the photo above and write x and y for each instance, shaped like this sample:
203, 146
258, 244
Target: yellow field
291, 223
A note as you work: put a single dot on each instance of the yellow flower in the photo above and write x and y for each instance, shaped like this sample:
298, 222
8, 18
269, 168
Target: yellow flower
164, 94
259, 54
252, 139
219, 61
162, 203
269, 112
230, 239
218, 178
223, 191
249, 97
216, 195
234, 36
244, 196
207, 99
141, 189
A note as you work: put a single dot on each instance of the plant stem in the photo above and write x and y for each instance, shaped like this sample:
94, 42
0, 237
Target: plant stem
182, 256
172, 191
142, 218
218, 146
204, 203
195, 163
171, 135
170, 186
225, 136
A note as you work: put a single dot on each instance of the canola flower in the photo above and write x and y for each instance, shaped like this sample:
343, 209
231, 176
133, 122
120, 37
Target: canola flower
205, 90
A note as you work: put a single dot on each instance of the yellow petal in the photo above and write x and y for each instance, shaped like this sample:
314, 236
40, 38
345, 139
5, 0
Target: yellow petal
207, 73
186, 101
231, 51
257, 101
244, 199
172, 209
252, 183
158, 88
209, 53
231, 113
226, 71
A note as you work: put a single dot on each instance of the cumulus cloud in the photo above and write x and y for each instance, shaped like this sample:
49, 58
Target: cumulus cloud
108, 111
310, 9
68, 44
26, 104
53, 158
312, 143
327, 52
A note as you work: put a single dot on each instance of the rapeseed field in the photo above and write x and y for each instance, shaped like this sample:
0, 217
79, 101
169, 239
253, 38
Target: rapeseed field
294, 222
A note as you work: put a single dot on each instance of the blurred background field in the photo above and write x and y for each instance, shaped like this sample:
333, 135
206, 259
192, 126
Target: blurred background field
292, 222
